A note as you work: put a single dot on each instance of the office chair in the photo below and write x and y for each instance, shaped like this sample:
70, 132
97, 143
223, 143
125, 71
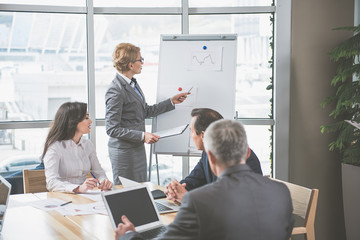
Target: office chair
304, 201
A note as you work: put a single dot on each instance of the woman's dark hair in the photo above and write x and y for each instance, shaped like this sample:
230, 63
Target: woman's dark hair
65, 123
204, 117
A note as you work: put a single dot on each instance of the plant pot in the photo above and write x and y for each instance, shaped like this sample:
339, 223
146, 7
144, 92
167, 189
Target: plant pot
351, 200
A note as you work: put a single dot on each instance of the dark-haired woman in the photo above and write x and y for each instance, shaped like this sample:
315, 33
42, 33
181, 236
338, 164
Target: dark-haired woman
68, 157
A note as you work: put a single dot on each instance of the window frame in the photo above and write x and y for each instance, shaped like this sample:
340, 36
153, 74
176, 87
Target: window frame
281, 86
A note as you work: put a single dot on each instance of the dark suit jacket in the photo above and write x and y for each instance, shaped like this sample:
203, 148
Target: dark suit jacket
126, 112
239, 205
202, 174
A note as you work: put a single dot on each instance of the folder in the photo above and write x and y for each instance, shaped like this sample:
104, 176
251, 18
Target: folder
171, 132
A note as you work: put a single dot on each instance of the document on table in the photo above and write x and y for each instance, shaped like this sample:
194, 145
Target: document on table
171, 132
68, 208
48, 204
355, 124
94, 195
83, 209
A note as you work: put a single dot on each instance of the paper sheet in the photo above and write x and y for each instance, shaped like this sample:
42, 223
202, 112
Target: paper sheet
172, 131
48, 204
83, 209
94, 195
71, 208
167, 91
205, 59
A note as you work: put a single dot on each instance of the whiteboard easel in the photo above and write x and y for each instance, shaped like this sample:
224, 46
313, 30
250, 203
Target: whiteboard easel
207, 64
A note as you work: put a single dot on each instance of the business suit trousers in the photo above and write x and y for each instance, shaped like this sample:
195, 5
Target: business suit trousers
129, 163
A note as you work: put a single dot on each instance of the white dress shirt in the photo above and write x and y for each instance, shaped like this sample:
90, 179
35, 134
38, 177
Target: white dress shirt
67, 164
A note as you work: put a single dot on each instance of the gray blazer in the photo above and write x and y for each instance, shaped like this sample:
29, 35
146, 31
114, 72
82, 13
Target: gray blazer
126, 113
239, 205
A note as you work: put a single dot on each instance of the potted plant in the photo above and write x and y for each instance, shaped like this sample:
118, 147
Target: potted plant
347, 107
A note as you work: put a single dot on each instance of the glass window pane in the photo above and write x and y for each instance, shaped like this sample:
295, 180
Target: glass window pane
42, 64
253, 70
72, 3
102, 151
137, 3
259, 142
19, 149
170, 168
229, 3
143, 31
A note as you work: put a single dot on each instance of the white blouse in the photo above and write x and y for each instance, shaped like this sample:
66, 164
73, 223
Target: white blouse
67, 164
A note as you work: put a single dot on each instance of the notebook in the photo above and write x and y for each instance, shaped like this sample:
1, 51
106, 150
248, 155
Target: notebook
5, 189
138, 205
163, 205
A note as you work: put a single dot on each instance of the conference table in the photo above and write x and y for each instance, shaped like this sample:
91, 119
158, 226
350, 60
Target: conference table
23, 221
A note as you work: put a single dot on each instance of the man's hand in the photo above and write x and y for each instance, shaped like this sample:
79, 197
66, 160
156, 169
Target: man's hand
175, 191
150, 138
124, 227
179, 98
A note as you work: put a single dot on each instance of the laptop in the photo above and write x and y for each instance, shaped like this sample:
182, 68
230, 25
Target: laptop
138, 205
163, 205
5, 189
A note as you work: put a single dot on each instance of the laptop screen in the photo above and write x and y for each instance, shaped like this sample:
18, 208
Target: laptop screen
5, 189
136, 204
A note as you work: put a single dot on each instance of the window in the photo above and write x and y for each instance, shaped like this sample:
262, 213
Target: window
44, 62
143, 31
40, 58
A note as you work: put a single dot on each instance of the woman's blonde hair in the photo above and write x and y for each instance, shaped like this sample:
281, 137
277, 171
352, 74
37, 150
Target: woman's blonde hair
124, 54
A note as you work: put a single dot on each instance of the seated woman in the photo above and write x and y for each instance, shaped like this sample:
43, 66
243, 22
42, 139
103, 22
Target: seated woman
68, 157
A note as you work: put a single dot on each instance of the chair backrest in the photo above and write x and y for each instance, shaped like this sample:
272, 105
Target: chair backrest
34, 181
304, 202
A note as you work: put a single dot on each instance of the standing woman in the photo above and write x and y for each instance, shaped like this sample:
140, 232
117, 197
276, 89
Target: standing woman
126, 110
68, 157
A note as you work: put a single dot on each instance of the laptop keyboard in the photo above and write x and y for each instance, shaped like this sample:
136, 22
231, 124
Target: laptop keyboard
161, 207
153, 233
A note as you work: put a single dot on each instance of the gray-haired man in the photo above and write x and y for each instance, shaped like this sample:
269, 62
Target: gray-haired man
239, 205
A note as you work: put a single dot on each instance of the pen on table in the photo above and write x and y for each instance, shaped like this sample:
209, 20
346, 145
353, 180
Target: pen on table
94, 177
65, 203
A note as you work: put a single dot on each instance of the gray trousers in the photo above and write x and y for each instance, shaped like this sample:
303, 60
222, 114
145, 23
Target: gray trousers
129, 163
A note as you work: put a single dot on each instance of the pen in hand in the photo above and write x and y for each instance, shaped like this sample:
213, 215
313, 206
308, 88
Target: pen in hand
188, 92
65, 203
94, 177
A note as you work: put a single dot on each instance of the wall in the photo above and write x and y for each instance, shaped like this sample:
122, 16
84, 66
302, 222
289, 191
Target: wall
311, 164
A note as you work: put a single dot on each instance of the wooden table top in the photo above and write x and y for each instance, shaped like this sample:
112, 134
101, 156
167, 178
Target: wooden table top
23, 221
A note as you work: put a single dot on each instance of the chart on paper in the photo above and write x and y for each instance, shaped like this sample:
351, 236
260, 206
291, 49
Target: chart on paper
206, 60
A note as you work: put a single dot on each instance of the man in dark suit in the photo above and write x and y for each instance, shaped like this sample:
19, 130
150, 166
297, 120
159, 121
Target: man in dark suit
239, 205
126, 110
202, 174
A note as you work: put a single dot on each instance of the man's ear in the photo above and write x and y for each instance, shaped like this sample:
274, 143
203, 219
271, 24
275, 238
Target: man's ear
248, 153
202, 135
211, 157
